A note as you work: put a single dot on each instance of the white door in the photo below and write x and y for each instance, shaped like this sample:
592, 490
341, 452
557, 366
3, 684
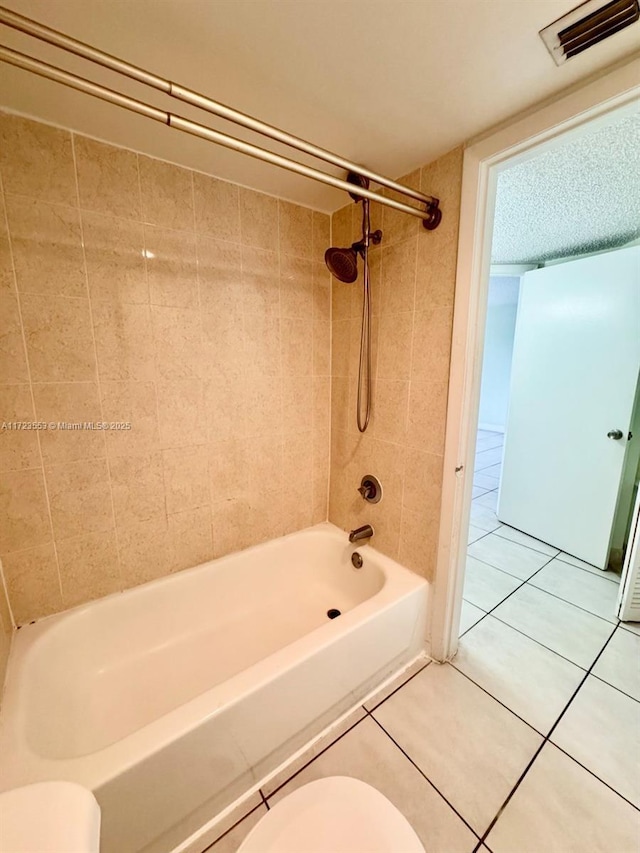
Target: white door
629, 597
576, 363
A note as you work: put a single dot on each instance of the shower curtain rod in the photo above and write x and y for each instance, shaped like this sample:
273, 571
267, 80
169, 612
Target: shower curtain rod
431, 215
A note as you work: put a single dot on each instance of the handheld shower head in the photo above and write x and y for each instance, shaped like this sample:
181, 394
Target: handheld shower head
342, 263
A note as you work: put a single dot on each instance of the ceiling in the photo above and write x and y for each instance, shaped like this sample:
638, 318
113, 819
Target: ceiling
389, 83
580, 196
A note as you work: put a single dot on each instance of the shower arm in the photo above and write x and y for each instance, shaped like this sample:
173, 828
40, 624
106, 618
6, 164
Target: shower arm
430, 216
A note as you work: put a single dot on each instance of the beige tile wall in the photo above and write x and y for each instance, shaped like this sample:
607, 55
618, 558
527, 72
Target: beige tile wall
413, 280
135, 290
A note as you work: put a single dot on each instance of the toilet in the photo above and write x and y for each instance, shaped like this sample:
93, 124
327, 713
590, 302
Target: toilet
333, 815
49, 817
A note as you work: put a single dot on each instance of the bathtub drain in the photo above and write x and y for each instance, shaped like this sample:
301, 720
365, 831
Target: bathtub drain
333, 613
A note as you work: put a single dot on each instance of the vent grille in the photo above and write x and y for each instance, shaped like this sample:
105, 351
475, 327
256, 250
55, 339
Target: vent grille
587, 25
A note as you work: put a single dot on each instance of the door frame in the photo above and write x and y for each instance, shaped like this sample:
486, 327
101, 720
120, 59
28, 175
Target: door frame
519, 139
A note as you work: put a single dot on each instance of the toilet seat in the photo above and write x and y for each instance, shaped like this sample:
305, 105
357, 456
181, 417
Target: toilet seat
333, 815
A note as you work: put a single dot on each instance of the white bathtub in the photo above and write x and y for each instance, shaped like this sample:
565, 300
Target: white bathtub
171, 700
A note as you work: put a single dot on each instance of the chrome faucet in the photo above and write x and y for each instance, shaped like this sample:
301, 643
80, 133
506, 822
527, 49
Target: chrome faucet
360, 533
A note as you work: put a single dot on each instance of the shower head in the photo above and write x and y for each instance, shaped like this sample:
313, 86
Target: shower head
342, 263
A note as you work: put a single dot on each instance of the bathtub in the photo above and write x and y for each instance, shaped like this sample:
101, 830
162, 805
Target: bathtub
171, 700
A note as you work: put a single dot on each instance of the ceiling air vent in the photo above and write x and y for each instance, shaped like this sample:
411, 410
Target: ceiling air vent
585, 26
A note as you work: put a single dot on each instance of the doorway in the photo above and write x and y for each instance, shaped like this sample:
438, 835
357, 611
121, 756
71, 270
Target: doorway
485, 159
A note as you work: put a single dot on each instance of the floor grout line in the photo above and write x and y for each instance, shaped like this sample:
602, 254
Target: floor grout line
423, 774
546, 739
210, 847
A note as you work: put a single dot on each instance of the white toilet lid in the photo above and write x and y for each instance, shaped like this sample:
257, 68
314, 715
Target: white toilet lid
333, 815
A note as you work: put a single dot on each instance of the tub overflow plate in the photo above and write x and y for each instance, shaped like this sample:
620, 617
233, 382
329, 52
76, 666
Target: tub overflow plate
356, 559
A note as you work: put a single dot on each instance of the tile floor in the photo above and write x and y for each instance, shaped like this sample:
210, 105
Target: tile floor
529, 741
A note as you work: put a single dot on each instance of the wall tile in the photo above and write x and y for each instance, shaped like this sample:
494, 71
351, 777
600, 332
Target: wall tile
258, 219
296, 287
427, 415
422, 479
296, 229
69, 403
137, 486
24, 515
167, 194
18, 447
225, 405
190, 538
47, 247
398, 277
135, 403
186, 478
114, 249
177, 338
262, 343
394, 346
88, 567
419, 541
181, 413
145, 552
7, 278
36, 160
297, 346
79, 498
431, 344
321, 235
32, 583
228, 468
217, 207
59, 339
13, 361
260, 281
107, 178
263, 410
219, 277
172, 268
223, 351
124, 341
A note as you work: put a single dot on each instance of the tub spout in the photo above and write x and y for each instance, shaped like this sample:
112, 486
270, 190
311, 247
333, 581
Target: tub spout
360, 533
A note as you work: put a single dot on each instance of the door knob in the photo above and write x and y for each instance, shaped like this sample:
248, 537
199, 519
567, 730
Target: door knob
615, 434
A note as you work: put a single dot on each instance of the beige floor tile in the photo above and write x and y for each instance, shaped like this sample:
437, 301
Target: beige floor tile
367, 753
584, 589
508, 556
556, 624
523, 539
485, 586
469, 616
532, 681
468, 745
233, 838
619, 665
561, 808
601, 730
308, 755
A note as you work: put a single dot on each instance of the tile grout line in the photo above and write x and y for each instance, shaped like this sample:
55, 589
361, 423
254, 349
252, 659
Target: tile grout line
210, 847
422, 773
546, 739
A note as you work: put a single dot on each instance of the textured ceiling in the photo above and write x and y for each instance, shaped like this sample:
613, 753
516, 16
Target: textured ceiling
388, 83
583, 196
